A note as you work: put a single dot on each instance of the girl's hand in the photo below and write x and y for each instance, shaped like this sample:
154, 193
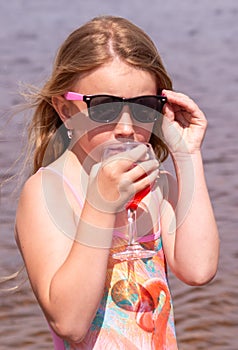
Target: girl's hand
113, 182
184, 124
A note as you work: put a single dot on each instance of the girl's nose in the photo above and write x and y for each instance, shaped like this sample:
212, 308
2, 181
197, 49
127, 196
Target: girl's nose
124, 127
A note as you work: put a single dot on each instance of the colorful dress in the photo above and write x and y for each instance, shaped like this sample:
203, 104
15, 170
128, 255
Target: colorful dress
136, 310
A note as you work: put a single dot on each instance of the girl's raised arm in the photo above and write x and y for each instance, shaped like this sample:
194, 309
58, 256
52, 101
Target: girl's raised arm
190, 236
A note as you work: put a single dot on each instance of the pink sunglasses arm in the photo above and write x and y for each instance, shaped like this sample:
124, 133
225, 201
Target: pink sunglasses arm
73, 96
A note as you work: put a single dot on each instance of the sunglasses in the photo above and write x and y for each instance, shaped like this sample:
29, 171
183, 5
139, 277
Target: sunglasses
106, 108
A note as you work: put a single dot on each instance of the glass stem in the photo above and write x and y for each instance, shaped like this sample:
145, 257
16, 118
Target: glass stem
131, 215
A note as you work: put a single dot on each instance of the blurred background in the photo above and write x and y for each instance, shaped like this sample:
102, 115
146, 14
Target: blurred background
198, 44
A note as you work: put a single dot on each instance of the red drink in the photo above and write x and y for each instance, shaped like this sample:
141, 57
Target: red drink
135, 201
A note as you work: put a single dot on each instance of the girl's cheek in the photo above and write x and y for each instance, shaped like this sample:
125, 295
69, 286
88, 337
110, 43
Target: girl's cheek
145, 130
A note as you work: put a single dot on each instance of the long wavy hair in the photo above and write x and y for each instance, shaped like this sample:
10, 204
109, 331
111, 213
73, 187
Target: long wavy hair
88, 47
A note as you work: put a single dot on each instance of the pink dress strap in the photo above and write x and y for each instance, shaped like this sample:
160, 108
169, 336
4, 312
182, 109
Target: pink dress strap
57, 341
65, 181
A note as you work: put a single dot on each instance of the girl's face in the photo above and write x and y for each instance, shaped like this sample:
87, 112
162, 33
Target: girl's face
118, 79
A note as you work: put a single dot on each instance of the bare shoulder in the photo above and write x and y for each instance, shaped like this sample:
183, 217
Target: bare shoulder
30, 194
44, 228
43, 202
32, 198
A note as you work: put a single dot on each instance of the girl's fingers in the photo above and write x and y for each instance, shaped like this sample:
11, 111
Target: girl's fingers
181, 102
125, 159
143, 169
146, 181
168, 112
184, 124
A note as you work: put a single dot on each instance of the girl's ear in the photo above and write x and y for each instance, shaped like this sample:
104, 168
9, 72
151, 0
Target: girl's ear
62, 108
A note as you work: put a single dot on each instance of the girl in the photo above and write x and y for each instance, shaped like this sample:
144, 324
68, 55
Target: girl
71, 215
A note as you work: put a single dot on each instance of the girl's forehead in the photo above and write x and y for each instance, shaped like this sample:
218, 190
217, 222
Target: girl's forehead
117, 77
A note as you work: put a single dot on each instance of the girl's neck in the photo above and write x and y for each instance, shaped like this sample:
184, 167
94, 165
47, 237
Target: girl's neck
83, 158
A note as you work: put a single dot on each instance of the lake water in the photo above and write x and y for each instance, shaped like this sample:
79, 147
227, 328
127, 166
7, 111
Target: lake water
198, 42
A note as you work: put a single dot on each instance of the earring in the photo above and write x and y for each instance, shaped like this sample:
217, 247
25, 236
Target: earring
70, 133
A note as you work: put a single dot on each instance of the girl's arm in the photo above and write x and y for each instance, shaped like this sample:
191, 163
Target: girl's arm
68, 271
67, 277
190, 236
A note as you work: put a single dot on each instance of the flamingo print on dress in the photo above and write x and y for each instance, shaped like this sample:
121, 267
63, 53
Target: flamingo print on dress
153, 311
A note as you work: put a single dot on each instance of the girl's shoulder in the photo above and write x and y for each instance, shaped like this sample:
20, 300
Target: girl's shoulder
47, 177
31, 188
44, 207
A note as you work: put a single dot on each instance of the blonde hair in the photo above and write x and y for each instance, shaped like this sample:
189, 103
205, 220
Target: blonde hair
88, 47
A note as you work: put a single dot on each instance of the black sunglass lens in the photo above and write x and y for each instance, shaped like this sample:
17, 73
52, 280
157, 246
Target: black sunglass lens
104, 109
147, 108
